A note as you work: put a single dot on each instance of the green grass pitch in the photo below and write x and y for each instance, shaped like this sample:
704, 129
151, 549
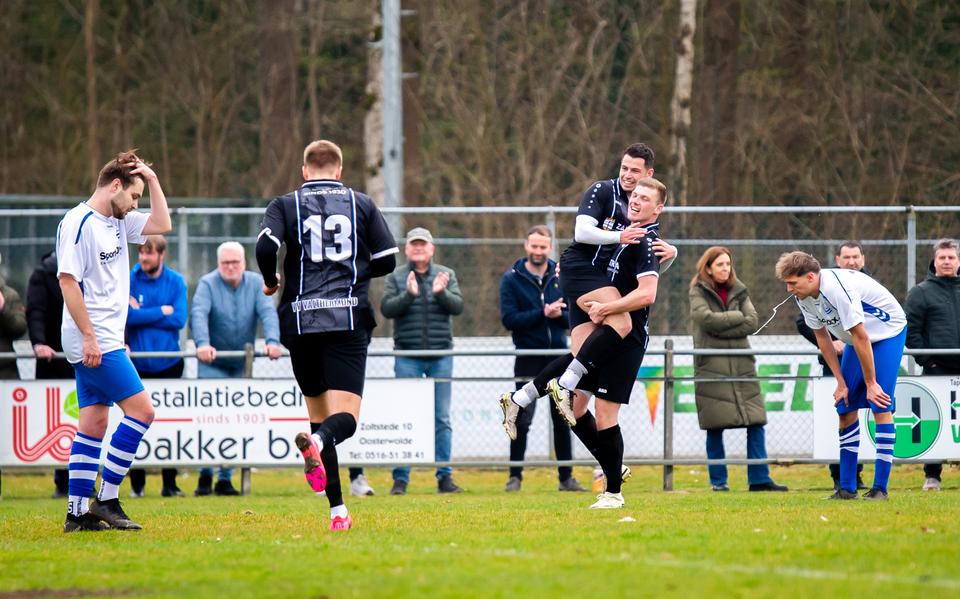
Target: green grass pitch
486, 543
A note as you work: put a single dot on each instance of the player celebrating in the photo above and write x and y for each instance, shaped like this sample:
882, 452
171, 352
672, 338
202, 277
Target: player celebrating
93, 269
602, 227
864, 315
634, 270
337, 240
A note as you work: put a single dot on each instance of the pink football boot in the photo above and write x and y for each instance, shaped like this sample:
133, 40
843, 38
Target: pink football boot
341, 523
312, 464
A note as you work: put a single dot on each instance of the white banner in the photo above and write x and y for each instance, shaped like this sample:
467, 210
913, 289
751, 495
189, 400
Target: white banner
925, 420
220, 421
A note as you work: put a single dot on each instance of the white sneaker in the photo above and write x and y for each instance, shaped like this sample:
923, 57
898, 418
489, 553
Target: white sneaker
608, 501
931, 484
510, 412
563, 399
359, 487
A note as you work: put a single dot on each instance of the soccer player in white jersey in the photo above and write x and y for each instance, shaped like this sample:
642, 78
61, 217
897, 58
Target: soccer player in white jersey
94, 274
864, 315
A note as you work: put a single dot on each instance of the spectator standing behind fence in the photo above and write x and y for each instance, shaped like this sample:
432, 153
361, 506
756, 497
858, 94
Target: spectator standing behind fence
44, 318
849, 255
13, 324
157, 313
422, 296
227, 306
933, 321
721, 317
533, 310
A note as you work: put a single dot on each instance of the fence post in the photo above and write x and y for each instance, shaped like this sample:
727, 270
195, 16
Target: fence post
552, 225
248, 360
911, 266
668, 414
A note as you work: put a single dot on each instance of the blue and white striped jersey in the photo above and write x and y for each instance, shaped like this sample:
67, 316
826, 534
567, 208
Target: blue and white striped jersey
848, 298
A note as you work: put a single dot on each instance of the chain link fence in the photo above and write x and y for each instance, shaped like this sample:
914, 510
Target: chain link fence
480, 244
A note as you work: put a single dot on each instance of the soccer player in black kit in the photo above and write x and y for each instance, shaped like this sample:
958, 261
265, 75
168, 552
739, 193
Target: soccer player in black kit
604, 293
337, 240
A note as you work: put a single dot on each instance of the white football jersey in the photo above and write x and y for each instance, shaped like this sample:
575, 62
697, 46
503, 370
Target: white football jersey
92, 249
848, 298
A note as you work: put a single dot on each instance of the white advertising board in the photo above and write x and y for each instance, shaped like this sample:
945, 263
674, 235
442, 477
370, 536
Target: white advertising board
220, 421
925, 419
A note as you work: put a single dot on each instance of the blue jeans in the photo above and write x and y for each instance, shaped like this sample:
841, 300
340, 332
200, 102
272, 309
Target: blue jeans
218, 371
407, 368
757, 474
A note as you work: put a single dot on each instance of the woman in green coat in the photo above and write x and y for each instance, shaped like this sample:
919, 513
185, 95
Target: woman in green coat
721, 317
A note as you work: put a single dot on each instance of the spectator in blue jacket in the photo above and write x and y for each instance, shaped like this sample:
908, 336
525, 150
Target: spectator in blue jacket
158, 311
227, 305
533, 310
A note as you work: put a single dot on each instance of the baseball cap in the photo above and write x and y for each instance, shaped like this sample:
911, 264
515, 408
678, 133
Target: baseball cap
419, 233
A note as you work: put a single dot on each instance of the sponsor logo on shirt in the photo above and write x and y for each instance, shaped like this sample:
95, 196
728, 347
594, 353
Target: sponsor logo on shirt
108, 257
322, 303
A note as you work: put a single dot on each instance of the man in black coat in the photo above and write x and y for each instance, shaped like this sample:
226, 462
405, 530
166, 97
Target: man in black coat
44, 315
933, 314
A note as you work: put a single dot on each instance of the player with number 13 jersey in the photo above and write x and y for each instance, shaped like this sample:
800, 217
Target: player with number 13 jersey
337, 240
332, 234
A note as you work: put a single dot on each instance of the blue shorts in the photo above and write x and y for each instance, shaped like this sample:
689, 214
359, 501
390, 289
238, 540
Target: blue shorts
114, 380
886, 363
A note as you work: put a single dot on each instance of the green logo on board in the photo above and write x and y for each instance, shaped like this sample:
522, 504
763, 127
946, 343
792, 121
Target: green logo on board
916, 420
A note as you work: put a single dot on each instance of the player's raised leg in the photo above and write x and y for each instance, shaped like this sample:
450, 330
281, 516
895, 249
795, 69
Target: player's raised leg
138, 415
333, 420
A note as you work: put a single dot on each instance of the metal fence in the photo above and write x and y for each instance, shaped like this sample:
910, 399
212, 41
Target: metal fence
659, 426
481, 243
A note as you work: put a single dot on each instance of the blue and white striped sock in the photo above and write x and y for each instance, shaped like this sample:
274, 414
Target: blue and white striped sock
849, 452
886, 436
123, 446
84, 464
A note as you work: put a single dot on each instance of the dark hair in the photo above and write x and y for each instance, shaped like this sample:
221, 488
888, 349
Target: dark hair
539, 230
155, 242
850, 243
119, 168
706, 261
639, 150
321, 154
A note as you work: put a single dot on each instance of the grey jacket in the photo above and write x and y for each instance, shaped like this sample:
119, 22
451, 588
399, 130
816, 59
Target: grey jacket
421, 322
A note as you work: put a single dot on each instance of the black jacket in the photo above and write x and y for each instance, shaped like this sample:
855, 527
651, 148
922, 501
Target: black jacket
45, 314
933, 320
522, 299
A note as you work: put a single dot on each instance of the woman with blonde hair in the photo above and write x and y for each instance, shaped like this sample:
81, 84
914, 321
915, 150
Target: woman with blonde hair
721, 317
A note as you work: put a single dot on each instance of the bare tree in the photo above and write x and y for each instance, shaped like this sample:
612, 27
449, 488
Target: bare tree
89, 44
680, 106
373, 119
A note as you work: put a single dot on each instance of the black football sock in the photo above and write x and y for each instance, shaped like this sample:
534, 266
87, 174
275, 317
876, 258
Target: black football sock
586, 430
336, 429
599, 346
610, 448
328, 455
551, 371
